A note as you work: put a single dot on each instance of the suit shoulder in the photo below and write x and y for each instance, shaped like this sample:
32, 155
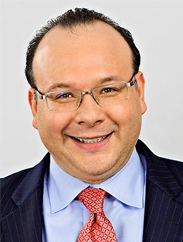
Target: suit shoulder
176, 167
157, 165
171, 162
17, 175
10, 183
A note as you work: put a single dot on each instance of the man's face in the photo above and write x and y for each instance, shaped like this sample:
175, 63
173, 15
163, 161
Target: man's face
81, 59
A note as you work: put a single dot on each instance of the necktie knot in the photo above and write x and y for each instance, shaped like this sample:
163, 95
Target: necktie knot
98, 227
93, 199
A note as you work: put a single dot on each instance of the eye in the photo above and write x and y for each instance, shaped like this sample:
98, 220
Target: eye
108, 90
64, 95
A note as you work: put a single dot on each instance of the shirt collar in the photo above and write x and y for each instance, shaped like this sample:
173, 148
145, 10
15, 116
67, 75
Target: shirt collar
62, 188
128, 185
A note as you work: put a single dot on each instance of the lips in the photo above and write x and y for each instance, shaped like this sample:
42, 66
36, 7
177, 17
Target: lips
91, 141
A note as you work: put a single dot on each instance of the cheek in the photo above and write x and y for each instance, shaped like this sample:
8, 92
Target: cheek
127, 117
52, 124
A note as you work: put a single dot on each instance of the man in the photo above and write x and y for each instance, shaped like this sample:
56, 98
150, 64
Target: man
87, 99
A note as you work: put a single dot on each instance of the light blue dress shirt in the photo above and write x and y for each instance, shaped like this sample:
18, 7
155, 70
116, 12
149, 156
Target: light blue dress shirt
64, 215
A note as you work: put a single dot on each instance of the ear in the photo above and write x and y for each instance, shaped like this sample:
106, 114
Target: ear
33, 106
141, 85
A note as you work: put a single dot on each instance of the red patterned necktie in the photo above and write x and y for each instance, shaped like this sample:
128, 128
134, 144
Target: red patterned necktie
98, 227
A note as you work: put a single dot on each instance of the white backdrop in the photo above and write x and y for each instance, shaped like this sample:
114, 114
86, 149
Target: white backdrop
157, 27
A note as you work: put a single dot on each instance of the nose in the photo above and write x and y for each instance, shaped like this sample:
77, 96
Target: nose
89, 112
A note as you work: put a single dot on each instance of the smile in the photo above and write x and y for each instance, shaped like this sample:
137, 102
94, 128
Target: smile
91, 141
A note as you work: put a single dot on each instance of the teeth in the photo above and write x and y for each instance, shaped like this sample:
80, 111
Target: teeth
90, 141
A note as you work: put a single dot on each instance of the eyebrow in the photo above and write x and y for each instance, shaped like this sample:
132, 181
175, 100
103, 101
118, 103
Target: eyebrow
58, 85
64, 85
109, 79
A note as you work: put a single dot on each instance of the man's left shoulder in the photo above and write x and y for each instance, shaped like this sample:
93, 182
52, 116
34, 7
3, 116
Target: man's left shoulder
157, 165
176, 167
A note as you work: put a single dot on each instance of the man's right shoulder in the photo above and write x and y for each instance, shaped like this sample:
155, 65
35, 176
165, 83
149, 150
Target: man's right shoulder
25, 179
9, 183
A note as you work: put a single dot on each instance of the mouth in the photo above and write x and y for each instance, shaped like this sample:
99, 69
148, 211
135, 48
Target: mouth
93, 140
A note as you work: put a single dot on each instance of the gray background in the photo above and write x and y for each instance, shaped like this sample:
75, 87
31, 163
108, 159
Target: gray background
157, 27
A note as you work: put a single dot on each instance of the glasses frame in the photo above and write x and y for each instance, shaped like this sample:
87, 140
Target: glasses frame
132, 82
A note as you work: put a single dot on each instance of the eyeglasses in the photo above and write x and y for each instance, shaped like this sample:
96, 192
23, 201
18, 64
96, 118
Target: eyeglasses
69, 100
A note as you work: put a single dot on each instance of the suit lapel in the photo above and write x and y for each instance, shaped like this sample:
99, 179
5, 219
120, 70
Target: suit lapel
164, 200
163, 217
24, 222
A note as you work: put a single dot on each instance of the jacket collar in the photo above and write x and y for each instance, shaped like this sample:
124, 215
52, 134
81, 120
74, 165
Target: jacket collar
33, 179
164, 198
24, 219
158, 171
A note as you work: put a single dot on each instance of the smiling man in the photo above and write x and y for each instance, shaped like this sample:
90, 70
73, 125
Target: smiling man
98, 182
92, 142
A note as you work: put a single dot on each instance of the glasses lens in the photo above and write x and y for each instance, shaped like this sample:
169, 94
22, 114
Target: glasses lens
112, 93
63, 101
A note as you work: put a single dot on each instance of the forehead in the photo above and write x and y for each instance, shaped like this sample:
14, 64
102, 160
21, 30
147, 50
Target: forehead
91, 48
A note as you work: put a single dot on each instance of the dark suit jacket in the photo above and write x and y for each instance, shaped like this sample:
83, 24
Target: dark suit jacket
22, 194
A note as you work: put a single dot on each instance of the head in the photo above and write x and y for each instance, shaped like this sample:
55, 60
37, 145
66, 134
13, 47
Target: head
81, 50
